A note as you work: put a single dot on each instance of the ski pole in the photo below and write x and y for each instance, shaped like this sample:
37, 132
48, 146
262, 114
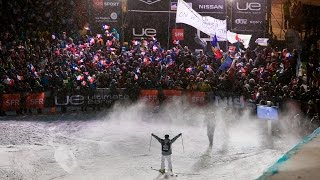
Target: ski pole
182, 143
150, 143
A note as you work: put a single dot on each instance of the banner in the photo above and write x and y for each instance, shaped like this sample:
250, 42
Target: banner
11, 102
236, 102
105, 12
140, 26
35, 100
98, 97
171, 94
198, 98
177, 34
148, 5
249, 15
203, 6
149, 95
206, 24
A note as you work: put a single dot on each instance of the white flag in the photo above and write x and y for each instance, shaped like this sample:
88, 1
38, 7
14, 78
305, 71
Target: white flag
243, 38
206, 24
262, 41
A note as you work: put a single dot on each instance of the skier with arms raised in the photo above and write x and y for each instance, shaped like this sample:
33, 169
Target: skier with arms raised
166, 150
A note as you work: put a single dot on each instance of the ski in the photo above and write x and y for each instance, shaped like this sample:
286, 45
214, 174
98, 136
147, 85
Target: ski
193, 174
155, 169
166, 174
181, 173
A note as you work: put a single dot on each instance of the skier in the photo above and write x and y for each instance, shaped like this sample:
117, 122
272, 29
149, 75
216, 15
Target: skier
166, 150
210, 121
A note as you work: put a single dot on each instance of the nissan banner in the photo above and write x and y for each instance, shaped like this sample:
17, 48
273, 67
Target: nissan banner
210, 6
249, 15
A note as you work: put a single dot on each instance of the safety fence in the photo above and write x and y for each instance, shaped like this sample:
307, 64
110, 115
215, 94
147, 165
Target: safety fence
60, 102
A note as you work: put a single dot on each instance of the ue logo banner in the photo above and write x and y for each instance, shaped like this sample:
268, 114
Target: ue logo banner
249, 15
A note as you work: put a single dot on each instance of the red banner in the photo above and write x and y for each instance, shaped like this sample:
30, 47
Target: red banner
10, 102
35, 100
149, 95
177, 34
197, 98
170, 94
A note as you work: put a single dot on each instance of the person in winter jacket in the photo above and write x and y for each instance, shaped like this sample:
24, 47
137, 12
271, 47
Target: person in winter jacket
166, 150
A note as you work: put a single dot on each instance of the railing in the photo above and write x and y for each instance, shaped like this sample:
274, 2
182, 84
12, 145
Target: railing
61, 102
50, 102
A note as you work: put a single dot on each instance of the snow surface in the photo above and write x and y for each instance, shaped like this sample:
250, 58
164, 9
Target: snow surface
115, 145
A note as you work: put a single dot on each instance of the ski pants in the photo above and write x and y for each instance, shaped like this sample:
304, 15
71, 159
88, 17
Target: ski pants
163, 158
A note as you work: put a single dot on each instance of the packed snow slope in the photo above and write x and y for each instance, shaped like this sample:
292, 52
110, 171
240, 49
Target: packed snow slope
117, 145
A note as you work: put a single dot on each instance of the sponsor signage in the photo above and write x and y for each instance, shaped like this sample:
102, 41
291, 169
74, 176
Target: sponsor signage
78, 100
11, 102
147, 25
198, 98
248, 7
101, 96
215, 7
241, 21
150, 96
170, 95
35, 100
148, 5
105, 96
105, 12
148, 17
144, 32
177, 34
233, 102
249, 15
203, 6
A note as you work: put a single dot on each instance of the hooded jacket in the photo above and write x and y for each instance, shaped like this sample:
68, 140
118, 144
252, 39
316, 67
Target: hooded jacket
166, 144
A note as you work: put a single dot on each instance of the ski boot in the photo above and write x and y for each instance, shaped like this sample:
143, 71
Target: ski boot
162, 171
171, 173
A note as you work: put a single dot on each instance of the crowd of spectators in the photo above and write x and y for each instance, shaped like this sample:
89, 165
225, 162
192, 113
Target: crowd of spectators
36, 58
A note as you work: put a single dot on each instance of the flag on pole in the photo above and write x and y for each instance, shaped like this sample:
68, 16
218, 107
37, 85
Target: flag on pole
215, 47
226, 64
20, 78
214, 41
136, 77
242, 38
